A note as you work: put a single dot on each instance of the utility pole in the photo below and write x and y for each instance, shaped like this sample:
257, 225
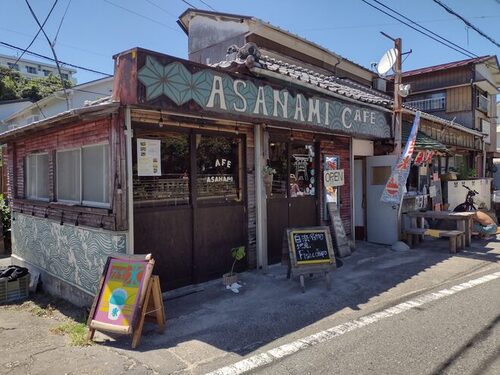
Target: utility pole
398, 100
397, 116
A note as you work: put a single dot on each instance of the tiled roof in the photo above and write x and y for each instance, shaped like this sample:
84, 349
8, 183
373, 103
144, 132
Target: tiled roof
450, 65
423, 142
334, 84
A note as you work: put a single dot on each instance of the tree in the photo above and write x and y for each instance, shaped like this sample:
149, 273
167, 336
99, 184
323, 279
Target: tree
15, 86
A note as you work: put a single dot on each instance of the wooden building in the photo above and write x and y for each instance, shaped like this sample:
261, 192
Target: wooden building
463, 91
174, 165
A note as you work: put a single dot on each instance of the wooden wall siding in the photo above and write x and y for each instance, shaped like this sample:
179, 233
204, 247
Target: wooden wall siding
152, 117
252, 212
440, 79
77, 135
458, 99
339, 146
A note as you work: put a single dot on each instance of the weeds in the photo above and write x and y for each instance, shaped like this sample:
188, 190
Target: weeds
77, 332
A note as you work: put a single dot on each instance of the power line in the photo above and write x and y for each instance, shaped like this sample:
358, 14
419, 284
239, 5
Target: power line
161, 8
191, 5
140, 15
208, 5
53, 52
417, 30
51, 59
60, 24
36, 36
426, 29
451, 11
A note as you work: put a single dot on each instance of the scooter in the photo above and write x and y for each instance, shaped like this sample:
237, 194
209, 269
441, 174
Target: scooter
468, 205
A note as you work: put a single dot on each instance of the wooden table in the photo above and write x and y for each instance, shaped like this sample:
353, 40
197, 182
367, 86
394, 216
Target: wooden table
463, 220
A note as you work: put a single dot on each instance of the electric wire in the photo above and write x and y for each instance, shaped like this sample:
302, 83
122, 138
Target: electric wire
52, 59
34, 38
161, 8
53, 52
60, 24
451, 11
140, 15
419, 31
208, 5
191, 5
425, 28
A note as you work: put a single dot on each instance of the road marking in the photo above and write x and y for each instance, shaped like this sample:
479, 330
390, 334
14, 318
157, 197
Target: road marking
272, 355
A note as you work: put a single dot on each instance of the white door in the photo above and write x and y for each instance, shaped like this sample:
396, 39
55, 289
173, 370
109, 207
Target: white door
359, 209
382, 225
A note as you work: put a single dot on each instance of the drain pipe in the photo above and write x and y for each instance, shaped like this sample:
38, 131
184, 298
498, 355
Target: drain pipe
130, 185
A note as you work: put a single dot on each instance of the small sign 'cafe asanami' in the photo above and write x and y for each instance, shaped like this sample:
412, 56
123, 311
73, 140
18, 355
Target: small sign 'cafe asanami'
174, 165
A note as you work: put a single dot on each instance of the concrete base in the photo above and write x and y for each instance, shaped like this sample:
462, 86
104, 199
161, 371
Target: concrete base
57, 287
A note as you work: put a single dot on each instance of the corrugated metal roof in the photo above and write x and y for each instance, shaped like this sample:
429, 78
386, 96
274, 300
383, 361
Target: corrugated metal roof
450, 65
423, 142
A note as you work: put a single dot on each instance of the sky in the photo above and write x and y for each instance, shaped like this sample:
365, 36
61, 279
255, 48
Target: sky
92, 31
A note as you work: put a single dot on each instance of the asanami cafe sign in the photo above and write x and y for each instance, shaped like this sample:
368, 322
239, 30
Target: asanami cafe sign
219, 92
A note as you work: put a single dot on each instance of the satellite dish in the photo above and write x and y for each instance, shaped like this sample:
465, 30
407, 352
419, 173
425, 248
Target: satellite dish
387, 61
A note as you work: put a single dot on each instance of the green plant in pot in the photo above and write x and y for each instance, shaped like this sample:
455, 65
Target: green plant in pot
238, 253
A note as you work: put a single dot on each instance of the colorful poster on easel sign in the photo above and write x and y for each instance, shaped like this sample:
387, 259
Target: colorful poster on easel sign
123, 284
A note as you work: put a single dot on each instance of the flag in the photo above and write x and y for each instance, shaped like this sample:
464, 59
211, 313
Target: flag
420, 158
394, 188
429, 156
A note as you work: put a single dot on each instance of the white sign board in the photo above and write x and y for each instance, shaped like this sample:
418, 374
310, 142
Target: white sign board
148, 157
333, 177
457, 193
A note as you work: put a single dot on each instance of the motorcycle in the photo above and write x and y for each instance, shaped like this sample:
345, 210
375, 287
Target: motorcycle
468, 205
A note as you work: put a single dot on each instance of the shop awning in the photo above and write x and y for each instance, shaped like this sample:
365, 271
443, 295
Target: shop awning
424, 142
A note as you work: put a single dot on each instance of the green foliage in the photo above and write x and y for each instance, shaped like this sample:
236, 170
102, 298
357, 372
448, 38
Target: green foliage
238, 253
76, 331
465, 173
5, 216
15, 86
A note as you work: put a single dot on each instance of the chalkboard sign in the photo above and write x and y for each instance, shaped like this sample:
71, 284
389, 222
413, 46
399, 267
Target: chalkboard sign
309, 246
338, 233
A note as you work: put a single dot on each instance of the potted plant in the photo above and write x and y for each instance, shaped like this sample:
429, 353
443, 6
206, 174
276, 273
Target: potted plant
267, 175
238, 253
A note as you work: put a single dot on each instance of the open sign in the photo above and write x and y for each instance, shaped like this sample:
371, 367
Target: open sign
333, 177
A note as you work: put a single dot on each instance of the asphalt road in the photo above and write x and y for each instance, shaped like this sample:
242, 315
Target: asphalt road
458, 334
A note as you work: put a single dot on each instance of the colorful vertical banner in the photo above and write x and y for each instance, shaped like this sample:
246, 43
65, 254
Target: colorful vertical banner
394, 188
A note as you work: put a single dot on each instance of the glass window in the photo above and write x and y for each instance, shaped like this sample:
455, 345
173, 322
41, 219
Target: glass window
13, 66
83, 176
171, 187
64, 76
219, 168
68, 176
31, 70
302, 173
278, 160
37, 176
95, 174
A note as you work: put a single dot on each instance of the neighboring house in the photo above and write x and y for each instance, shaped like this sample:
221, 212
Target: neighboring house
56, 103
211, 33
35, 69
8, 107
463, 91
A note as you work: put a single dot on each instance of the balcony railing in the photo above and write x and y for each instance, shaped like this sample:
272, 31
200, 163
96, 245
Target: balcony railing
482, 103
432, 104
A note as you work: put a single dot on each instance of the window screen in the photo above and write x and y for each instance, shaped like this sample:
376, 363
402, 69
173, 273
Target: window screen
69, 176
95, 174
37, 176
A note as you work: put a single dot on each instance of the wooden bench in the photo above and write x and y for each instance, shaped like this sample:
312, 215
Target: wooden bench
456, 237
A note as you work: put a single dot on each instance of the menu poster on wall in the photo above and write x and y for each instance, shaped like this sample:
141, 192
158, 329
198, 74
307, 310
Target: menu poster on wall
148, 157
